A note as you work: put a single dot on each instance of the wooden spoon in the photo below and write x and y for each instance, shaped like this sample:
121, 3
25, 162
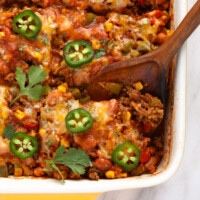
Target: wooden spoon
152, 68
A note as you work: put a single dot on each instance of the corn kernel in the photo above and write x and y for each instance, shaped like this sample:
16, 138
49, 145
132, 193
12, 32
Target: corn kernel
32, 133
63, 87
169, 32
138, 86
108, 26
2, 34
122, 20
18, 171
42, 131
19, 114
64, 142
127, 116
95, 44
4, 113
122, 175
110, 174
37, 55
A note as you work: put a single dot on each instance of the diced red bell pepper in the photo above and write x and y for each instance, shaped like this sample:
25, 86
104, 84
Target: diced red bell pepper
31, 125
145, 156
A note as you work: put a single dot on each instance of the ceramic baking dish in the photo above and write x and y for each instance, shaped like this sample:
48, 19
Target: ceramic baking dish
174, 145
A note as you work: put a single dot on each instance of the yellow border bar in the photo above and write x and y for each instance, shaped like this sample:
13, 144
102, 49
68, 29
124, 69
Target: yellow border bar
92, 196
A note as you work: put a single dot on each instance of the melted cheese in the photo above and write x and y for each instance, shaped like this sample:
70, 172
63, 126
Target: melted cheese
100, 113
53, 117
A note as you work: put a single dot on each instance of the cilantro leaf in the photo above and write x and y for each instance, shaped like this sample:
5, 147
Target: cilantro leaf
34, 90
9, 131
75, 159
35, 75
59, 153
53, 165
20, 77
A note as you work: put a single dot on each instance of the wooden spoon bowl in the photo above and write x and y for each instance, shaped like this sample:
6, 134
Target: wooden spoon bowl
151, 69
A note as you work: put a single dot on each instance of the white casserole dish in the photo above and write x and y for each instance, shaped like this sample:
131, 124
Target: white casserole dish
174, 145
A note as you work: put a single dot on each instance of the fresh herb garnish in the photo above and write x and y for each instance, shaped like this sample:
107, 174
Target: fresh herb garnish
99, 53
102, 41
34, 90
21, 49
9, 131
115, 133
45, 40
75, 159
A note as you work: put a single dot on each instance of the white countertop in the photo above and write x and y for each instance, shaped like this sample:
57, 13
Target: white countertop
185, 184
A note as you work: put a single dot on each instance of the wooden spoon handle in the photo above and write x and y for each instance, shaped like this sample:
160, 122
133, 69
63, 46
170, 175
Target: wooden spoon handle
183, 31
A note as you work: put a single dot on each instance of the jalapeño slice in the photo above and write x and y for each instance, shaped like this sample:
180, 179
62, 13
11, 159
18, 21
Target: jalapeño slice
78, 53
126, 155
78, 120
23, 145
27, 24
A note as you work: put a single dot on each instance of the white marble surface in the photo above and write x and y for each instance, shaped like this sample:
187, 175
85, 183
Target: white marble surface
185, 184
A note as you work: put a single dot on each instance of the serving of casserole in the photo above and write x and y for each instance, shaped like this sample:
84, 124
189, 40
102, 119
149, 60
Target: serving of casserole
53, 136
